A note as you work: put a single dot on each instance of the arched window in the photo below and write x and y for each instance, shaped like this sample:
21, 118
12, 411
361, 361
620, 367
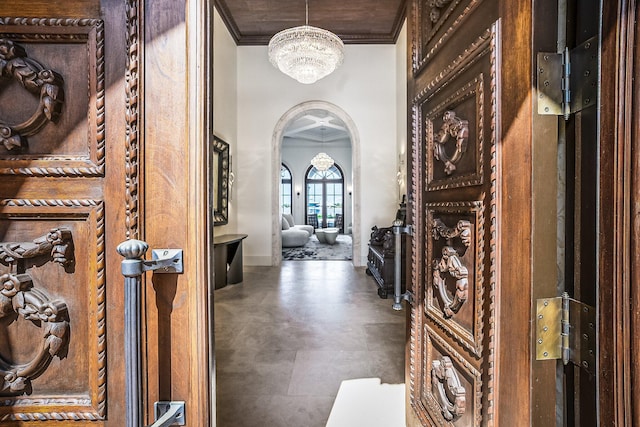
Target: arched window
286, 198
325, 196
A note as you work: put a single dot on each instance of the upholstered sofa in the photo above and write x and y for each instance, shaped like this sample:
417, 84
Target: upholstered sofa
294, 235
292, 224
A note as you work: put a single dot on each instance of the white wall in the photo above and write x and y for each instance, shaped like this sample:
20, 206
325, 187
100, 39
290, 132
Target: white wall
401, 110
225, 105
365, 87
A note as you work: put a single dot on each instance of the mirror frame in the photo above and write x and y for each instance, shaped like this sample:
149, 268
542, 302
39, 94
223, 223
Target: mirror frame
220, 153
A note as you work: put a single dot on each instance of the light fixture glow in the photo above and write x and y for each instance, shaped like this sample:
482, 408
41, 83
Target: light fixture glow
306, 53
322, 161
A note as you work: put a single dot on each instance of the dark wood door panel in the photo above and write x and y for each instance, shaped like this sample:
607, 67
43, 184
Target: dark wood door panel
53, 310
443, 30
453, 116
60, 131
454, 394
456, 248
52, 97
455, 138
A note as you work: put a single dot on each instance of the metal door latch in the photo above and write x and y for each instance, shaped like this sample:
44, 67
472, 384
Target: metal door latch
566, 329
169, 414
165, 261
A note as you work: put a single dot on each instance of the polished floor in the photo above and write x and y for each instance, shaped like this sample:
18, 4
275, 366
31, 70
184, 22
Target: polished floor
288, 336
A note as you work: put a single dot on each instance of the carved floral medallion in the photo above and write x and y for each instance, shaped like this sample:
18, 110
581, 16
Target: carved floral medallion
19, 297
35, 78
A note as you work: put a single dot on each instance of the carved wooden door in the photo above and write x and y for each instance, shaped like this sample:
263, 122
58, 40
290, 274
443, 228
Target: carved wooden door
455, 107
494, 227
72, 165
55, 215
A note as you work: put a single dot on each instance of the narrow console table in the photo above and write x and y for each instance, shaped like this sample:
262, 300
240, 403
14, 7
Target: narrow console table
227, 258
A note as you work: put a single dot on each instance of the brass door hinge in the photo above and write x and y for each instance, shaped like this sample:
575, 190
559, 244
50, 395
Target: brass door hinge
568, 81
566, 329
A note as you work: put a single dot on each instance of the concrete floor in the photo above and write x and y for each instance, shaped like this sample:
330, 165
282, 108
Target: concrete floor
288, 336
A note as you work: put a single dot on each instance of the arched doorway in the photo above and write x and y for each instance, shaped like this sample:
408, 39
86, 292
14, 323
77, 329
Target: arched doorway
352, 191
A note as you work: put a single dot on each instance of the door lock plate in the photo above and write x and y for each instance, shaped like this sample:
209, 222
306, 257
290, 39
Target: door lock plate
169, 414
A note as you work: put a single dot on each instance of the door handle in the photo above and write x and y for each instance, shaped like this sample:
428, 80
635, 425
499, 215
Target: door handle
133, 266
398, 296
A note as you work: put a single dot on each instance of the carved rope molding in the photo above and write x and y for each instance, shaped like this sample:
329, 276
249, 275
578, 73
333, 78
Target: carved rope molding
35, 78
447, 389
416, 318
452, 126
451, 264
132, 89
495, 210
19, 297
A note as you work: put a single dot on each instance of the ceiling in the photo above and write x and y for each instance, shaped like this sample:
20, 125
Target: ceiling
254, 22
316, 127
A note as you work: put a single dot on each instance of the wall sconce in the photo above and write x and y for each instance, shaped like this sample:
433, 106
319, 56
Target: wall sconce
298, 191
349, 190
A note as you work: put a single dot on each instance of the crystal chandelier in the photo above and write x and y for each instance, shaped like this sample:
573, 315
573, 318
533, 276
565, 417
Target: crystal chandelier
322, 161
306, 53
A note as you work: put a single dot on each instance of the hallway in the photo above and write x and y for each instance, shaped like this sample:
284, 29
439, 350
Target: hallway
288, 336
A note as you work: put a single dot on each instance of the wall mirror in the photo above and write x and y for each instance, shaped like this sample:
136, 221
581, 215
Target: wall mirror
220, 178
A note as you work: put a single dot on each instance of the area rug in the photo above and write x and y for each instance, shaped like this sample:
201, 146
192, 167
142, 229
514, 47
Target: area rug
341, 250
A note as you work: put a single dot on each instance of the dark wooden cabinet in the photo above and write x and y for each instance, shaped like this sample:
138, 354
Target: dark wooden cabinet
381, 260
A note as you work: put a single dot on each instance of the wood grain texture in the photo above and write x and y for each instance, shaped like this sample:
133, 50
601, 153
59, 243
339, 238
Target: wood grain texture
67, 9
619, 301
63, 179
175, 206
254, 22
545, 217
514, 293
627, 402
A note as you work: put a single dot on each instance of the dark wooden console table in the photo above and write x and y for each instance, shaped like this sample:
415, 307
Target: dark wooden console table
227, 258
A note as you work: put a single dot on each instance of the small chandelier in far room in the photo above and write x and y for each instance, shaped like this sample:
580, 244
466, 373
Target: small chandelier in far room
306, 53
322, 162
